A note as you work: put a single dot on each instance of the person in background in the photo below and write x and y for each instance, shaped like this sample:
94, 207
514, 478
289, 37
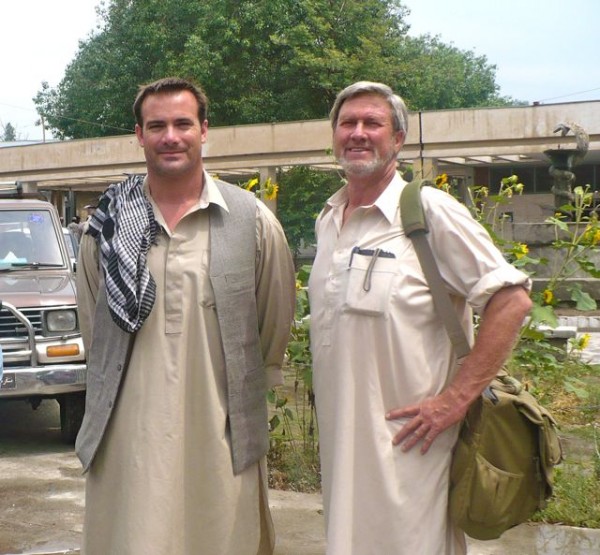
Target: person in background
90, 210
186, 293
390, 394
75, 227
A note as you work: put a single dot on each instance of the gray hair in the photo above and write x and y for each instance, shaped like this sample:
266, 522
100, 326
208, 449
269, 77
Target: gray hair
399, 110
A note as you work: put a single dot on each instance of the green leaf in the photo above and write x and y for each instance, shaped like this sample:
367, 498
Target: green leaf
307, 376
532, 333
526, 260
274, 423
582, 299
544, 315
576, 387
561, 224
589, 267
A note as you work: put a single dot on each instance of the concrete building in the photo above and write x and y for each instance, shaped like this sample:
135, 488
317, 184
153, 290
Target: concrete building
474, 146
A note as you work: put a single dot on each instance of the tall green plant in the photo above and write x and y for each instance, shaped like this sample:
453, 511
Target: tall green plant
574, 243
294, 453
299, 360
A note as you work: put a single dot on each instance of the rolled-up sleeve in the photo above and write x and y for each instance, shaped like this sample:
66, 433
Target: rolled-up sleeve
469, 261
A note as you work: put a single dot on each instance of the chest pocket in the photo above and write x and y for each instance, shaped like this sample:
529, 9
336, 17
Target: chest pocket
370, 277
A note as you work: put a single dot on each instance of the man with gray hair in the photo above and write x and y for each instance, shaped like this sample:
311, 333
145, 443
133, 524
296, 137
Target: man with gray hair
390, 393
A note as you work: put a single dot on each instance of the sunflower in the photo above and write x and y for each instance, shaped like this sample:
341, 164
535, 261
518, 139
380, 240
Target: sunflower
251, 184
441, 180
521, 250
270, 189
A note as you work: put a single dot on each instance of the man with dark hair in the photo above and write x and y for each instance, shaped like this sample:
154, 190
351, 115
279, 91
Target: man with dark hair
165, 86
389, 391
186, 295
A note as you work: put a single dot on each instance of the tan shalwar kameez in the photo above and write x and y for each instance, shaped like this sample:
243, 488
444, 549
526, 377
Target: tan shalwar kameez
377, 345
162, 481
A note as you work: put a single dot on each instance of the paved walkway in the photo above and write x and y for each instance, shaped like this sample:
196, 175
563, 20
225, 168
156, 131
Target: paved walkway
298, 523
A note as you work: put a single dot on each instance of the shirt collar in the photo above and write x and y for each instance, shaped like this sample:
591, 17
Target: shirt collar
387, 202
210, 194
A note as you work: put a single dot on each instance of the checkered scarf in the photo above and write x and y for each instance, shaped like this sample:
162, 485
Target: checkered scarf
125, 228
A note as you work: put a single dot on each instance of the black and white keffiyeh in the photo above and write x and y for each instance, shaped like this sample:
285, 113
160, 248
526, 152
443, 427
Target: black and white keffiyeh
125, 228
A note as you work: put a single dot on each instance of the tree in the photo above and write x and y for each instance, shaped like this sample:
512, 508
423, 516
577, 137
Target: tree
285, 61
450, 78
9, 133
258, 60
302, 194
134, 45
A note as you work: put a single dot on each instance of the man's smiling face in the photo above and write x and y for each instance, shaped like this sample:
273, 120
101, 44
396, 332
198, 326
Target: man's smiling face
364, 139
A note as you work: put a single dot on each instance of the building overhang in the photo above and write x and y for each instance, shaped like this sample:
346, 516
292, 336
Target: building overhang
469, 137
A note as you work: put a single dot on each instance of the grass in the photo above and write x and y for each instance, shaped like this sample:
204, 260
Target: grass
293, 458
576, 500
293, 469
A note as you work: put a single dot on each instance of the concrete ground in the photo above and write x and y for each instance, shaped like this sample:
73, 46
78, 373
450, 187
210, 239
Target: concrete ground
42, 501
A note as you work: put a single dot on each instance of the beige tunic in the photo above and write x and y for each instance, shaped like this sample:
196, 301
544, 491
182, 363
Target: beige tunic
162, 481
378, 345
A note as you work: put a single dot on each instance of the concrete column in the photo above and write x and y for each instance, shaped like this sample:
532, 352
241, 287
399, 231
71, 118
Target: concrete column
425, 168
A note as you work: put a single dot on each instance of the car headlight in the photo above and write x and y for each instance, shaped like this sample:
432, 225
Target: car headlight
59, 321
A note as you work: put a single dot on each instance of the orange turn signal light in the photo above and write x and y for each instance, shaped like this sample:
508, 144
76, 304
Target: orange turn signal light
62, 350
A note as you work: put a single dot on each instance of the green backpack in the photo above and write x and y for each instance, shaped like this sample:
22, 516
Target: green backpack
503, 461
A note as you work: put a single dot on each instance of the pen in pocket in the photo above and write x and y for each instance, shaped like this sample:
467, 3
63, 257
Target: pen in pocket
374, 254
370, 252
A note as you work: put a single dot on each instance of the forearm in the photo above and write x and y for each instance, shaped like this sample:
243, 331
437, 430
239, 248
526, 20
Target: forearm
498, 332
499, 329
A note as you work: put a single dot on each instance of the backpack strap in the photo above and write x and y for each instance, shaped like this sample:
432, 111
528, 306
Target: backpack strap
415, 227
411, 209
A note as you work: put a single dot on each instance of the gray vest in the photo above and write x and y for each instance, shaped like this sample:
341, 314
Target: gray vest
232, 273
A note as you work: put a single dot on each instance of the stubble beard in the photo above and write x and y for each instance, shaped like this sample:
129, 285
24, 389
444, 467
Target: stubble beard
174, 169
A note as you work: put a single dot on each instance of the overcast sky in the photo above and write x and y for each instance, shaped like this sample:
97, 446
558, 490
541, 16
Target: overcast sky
544, 50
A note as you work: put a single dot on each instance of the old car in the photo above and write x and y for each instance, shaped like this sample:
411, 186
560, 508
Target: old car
42, 350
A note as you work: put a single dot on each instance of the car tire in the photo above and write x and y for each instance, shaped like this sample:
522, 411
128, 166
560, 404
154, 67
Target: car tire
72, 408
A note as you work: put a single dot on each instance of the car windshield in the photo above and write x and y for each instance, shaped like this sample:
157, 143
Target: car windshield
29, 237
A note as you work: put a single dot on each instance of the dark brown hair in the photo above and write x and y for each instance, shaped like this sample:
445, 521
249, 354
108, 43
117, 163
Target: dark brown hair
170, 85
